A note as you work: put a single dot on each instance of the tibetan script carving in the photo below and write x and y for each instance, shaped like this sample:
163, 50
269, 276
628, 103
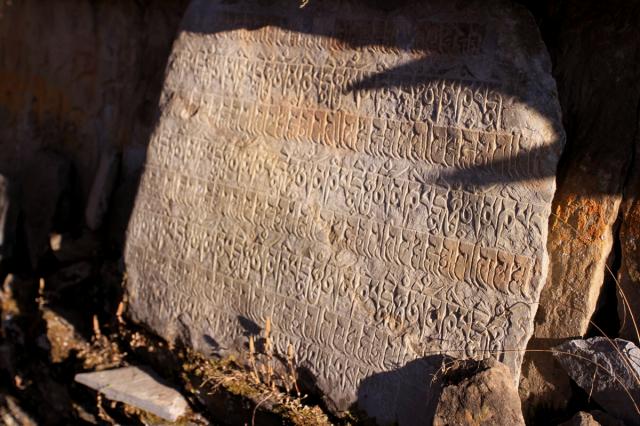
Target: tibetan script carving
376, 183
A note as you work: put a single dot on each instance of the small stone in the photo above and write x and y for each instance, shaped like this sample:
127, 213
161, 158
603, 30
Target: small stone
55, 241
139, 388
594, 418
607, 369
581, 419
487, 397
61, 336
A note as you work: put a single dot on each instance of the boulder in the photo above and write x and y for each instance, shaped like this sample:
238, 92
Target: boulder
486, 397
608, 370
593, 418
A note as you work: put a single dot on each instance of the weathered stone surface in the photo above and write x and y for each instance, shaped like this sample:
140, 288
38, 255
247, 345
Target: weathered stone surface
139, 388
376, 183
582, 419
593, 418
487, 397
599, 92
609, 370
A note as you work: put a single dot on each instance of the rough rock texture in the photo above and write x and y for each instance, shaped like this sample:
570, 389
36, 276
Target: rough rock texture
609, 370
599, 92
79, 79
582, 419
593, 418
487, 397
375, 183
137, 387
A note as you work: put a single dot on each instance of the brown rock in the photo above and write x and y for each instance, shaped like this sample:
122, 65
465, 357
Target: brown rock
582, 419
487, 397
599, 94
593, 418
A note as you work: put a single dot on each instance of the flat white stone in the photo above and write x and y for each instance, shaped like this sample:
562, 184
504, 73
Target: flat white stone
138, 388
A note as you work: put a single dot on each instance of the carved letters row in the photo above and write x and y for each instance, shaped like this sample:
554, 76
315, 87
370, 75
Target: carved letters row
389, 94
349, 189
382, 35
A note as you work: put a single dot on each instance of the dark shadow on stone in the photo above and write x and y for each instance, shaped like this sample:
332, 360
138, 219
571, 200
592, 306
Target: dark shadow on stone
407, 395
250, 327
215, 346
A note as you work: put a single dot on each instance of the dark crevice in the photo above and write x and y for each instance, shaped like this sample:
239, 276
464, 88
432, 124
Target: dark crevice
606, 320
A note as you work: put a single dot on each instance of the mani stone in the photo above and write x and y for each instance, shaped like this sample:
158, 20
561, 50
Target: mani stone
138, 388
608, 370
376, 184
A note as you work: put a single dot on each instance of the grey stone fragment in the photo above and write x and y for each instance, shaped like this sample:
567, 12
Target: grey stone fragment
608, 370
486, 396
139, 388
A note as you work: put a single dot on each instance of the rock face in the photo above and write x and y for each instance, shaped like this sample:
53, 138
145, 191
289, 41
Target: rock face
375, 183
80, 78
599, 93
609, 370
488, 397
594, 418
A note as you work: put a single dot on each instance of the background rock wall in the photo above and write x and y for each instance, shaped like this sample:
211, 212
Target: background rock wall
595, 48
79, 80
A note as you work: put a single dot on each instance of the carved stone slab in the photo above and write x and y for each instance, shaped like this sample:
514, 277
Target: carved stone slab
377, 183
